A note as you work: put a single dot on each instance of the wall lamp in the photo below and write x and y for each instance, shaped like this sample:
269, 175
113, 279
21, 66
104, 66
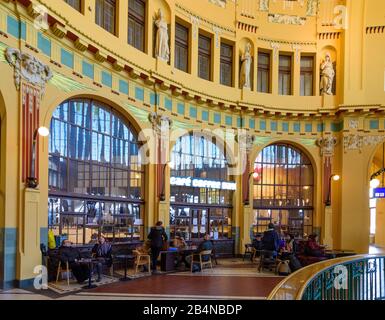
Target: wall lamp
31, 181
255, 176
163, 193
334, 177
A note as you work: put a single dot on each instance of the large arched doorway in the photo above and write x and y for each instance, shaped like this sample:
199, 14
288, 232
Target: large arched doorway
283, 190
201, 198
95, 176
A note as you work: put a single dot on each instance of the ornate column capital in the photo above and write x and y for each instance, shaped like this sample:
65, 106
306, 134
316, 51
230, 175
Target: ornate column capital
245, 141
28, 68
161, 124
327, 145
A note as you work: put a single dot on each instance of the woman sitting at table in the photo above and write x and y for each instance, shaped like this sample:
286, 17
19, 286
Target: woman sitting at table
312, 247
178, 242
103, 252
70, 254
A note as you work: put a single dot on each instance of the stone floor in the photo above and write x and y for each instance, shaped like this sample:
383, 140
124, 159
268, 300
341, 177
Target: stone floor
230, 279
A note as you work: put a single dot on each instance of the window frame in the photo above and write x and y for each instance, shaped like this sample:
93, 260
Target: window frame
102, 6
262, 68
205, 54
78, 8
182, 44
227, 61
306, 72
139, 22
285, 71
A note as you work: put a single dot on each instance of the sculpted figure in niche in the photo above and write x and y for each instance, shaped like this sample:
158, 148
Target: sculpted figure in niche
246, 59
162, 48
327, 75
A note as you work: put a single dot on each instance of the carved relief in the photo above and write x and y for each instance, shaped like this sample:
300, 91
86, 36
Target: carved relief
286, 19
275, 46
356, 142
245, 141
264, 5
353, 124
297, 49
327, 145
217, 31
29, 68
195, 23
220, 3
312, 7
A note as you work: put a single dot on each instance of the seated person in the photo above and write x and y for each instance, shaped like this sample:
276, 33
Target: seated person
94, 239
103, 252
289, 248
70, 254
179, 242
204, 246
270, 240
257, 244
312, 248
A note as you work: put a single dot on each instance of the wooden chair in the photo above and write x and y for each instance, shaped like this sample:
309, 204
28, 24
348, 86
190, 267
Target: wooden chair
142, 259
248, 251
268, 261
60, 270
200, 260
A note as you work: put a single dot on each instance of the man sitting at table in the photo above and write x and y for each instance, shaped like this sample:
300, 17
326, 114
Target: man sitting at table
102, 251
70, 254
204, 246
312, 247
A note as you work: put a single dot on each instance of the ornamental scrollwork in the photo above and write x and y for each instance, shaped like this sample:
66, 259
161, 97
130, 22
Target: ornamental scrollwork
28, 68
160, 123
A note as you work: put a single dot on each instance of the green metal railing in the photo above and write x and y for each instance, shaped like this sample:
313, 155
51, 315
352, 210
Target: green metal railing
359, 277
362, 279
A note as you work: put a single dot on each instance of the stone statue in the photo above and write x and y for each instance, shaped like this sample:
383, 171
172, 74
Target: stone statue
29, 68
245, 80
327, 75
162, 48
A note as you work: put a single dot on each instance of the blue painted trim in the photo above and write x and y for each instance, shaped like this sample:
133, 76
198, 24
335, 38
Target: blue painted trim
337, 126
8, 254
229, 120
374, 124
308, 127
181, 109
239, 122
168, 103
107, 79
16, 28
297, 127
139, 93
205, 115
44, 44
88, 69
262, 125
67, 58
217, 118
285, 127
123, 86
252, 124
273, 125
320, 127
193, 112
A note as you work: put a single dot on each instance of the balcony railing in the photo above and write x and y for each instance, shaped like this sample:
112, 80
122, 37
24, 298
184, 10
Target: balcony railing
351, 278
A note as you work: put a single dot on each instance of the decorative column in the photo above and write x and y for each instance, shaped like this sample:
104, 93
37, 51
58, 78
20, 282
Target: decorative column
161, 126
327, 145
246, 142
30, 76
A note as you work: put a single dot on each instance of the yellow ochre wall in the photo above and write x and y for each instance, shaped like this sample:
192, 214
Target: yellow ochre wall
355, 113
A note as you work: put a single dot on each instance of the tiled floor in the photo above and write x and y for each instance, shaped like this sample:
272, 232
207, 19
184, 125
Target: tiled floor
231, 279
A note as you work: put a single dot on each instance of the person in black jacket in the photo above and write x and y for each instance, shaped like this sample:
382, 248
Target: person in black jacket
157, 235
70, 254
270, 240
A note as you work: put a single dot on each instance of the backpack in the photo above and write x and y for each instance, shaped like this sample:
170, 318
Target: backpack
294, 263
283, 268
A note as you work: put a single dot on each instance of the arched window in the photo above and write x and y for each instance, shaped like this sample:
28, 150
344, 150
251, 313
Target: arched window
283, 190
95, 176
201, 189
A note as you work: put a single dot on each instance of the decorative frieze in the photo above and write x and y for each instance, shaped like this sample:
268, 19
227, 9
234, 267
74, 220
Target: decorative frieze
357, 142
286, 19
